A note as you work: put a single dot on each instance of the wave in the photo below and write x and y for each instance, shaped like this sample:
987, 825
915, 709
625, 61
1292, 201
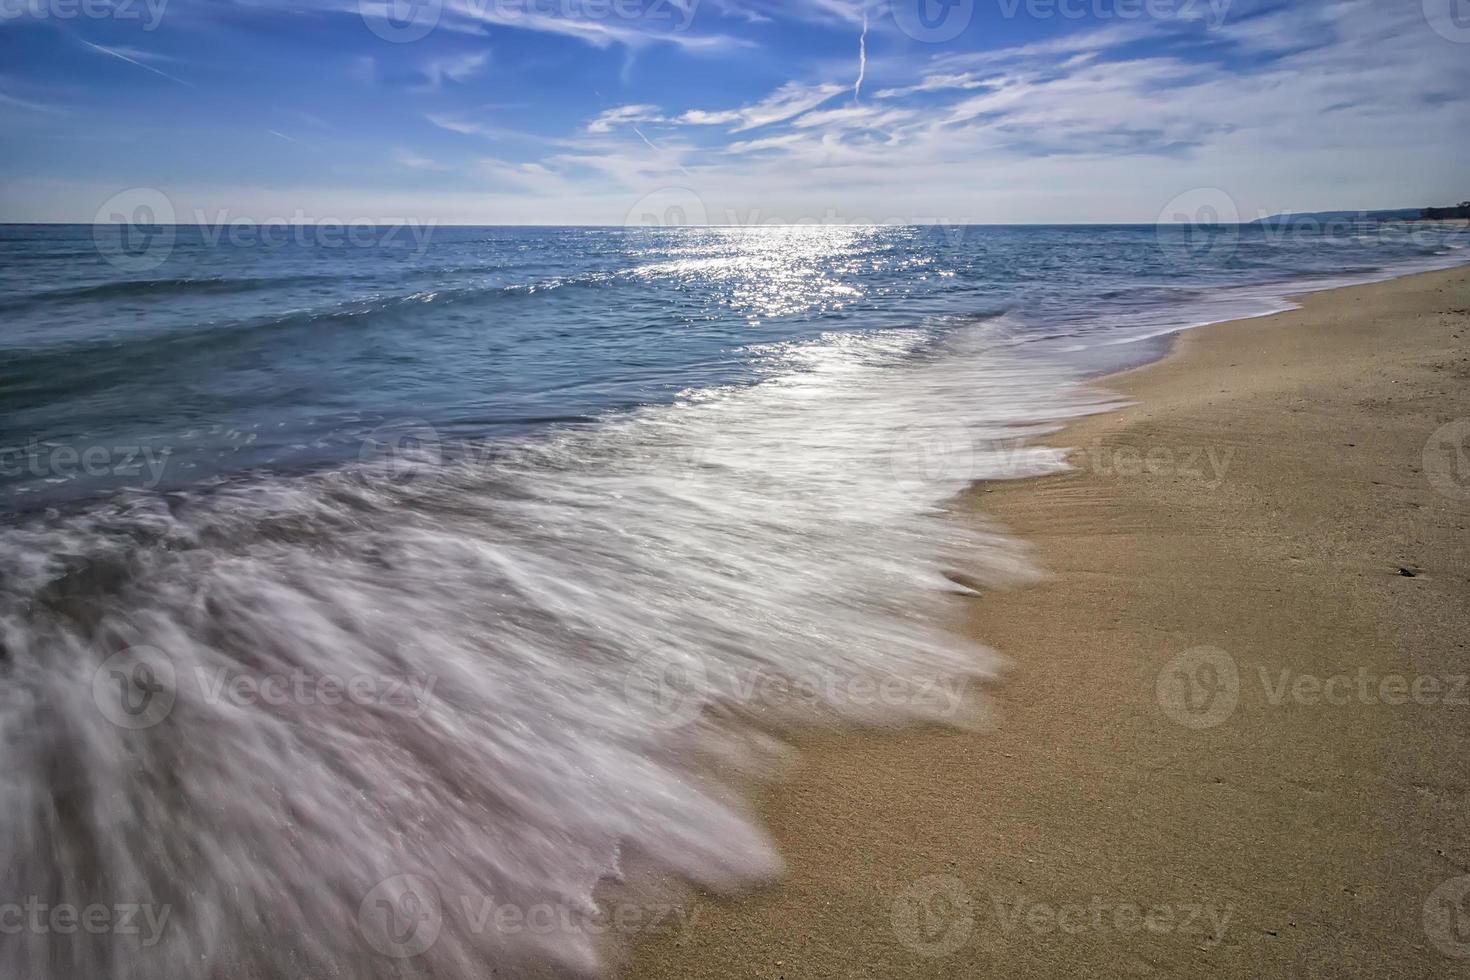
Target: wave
58, 370
553, 632
348, 311
584, 610
153, 288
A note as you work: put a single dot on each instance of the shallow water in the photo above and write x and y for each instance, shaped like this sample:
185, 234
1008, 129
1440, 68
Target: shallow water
348, 594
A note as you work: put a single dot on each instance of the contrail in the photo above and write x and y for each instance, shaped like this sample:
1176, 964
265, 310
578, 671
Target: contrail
651, 145
656, 148
857, 89
122, 57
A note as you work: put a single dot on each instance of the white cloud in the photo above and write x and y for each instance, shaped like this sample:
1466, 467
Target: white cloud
938, 83
1336, 107
667, 23
462, 126
455, 68
828, 12
1315, 105
624, 115
601, 25
17, 102
474, 127
415, 161
791, 99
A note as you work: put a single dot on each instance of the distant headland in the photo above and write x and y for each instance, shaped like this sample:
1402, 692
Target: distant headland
1459, 211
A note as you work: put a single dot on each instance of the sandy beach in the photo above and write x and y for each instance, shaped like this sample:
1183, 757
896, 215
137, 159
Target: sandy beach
1232, 738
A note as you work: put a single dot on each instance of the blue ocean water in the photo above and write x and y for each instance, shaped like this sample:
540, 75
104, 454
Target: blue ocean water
559, 510
233, 350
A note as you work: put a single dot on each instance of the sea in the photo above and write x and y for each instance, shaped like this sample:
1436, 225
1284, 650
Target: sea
377, 602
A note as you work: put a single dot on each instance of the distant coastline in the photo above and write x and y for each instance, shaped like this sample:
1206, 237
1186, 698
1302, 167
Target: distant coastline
1459, 212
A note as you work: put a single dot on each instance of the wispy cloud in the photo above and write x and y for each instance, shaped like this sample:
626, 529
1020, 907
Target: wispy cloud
415, 161
1235, 99
1290, 104
465, 127
788, 101
666, 23
475, 127
27, 104
622, 115
828, 12
601, 25
455, 67
938, 83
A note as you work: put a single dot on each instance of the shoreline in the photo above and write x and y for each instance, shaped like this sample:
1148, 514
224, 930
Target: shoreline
1289, 295
1169, 782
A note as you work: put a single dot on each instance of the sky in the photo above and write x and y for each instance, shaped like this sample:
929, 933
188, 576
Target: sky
730, 111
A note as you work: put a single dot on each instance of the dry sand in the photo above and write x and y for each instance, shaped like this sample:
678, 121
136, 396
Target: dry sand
1264, 830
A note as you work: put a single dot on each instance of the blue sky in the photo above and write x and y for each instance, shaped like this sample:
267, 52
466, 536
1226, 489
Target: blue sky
736, 111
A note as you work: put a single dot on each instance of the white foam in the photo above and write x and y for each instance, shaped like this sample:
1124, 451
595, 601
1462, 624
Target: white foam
593, 608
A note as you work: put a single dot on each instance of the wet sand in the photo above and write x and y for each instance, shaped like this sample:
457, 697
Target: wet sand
1234, 739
